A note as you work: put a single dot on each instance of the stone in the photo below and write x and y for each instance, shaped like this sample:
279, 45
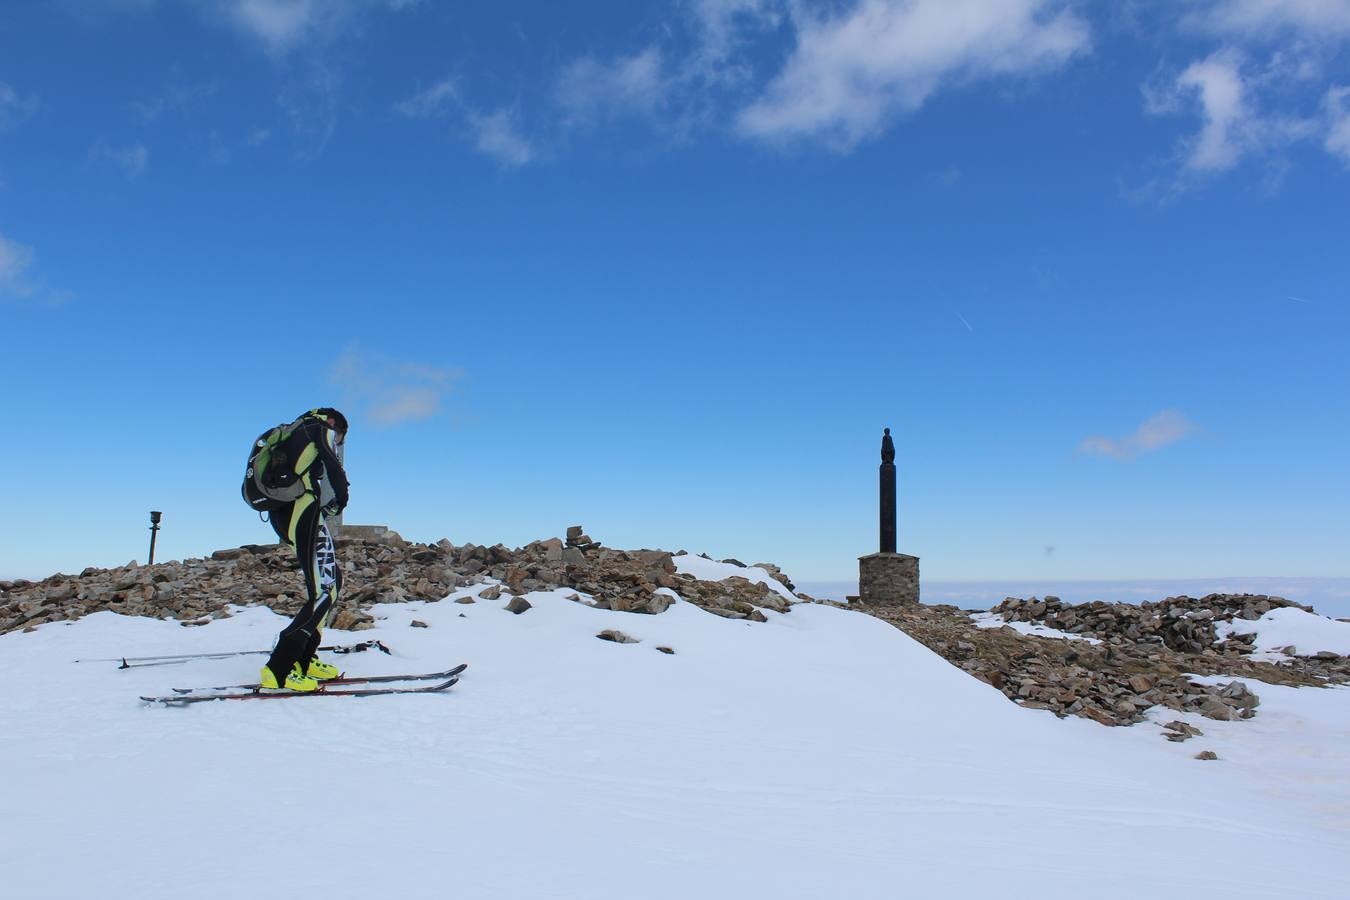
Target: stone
888, 579
618, 637
468, 599
418, 623
1182, 728
518, 605
491, 592
666, 650
1142, 684
347, 619
658, 603
1206, 754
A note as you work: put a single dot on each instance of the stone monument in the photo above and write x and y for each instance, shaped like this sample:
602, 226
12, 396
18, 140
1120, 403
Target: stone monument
888, 577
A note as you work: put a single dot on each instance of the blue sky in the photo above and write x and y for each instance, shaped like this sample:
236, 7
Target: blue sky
667, 270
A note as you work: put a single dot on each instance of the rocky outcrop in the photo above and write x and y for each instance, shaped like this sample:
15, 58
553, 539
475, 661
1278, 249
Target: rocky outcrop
380, 567
1183, 624
1143, 659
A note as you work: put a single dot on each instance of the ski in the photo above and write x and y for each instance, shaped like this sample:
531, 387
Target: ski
136, 662
342, 679
183, 699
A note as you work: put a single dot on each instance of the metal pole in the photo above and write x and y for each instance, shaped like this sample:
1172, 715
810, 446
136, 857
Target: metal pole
154, 532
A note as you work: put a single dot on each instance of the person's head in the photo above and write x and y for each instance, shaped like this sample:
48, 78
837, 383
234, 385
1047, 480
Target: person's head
332, 418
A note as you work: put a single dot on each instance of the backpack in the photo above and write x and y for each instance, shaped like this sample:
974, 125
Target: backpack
269, 477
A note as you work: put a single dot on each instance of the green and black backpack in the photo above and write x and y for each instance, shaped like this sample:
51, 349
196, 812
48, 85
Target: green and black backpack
270, 476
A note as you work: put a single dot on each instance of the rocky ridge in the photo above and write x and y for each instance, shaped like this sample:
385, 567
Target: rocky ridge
1130, 657
383, 570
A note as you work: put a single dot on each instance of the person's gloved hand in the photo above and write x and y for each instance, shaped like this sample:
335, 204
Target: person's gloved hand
333, 509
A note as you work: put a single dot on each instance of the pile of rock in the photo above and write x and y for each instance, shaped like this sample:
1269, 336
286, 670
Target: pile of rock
380, 568
577, 539
1115, 681
1184, 624
640, 581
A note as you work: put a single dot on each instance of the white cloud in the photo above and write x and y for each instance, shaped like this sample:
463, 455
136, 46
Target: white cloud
852, 74
15, 258
131, 159
406, 403
722, 28
177, 96
431, 102
16, 277
1337, 106
392, 392
589, 89
221, 150
1167, 427
14, 107
284, 26
1226, 92
1227, 120
677, 82
1251, 111
498, 135
1315, 19
279, 24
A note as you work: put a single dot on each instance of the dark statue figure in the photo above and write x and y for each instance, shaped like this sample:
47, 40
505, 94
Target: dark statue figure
887, 493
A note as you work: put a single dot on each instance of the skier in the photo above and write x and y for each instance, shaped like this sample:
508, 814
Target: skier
312, 444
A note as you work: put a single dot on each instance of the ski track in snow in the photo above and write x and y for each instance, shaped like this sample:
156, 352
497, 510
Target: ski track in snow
821, 754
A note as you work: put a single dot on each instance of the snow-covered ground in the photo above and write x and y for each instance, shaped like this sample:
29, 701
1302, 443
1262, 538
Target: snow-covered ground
821, 754
1307, 633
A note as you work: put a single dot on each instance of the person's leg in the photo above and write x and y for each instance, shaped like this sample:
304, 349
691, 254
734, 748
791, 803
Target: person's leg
329, 575
294, 640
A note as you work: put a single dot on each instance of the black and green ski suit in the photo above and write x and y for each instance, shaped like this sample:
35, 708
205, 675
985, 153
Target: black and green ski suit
301, 525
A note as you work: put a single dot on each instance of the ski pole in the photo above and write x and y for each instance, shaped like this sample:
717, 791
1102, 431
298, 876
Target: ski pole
131, 662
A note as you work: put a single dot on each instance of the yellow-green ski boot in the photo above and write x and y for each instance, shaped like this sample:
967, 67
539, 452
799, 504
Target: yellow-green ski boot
297, 680
322, 671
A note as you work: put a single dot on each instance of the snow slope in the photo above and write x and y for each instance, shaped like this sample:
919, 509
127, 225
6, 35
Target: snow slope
821, 754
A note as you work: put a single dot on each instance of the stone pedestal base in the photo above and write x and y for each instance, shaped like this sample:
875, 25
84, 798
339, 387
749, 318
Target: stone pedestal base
380, 533
887, 579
